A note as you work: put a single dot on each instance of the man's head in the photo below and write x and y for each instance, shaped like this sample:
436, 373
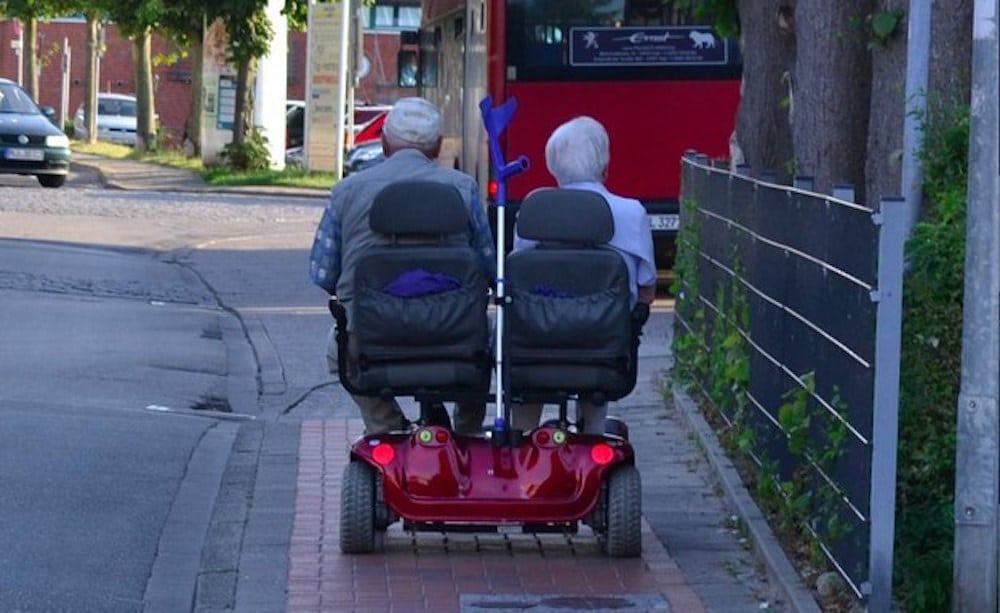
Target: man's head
413, 123
578, 151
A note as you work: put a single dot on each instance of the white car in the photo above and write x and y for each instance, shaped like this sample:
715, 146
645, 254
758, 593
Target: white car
116, 119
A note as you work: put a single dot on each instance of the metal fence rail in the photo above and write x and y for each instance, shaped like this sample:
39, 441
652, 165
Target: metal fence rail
822, 277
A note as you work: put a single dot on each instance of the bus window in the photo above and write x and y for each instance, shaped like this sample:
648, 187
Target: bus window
657, 13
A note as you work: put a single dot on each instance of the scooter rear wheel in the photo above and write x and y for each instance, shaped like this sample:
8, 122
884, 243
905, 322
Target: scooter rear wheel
623, 519
357, 509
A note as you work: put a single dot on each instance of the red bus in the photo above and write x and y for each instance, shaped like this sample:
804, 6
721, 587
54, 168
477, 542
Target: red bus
659, 81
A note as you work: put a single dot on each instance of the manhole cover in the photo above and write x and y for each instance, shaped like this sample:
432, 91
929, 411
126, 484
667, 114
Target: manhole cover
560, 603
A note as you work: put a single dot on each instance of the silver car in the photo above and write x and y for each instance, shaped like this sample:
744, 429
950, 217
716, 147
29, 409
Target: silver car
116, 119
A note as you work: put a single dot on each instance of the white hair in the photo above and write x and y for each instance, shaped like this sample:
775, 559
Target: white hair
578, 151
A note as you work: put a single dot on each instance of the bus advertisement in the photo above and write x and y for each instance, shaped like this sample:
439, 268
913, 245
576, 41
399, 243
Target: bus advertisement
660, 82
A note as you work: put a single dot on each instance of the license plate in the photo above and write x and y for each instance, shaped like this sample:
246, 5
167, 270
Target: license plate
664, 222
34, 155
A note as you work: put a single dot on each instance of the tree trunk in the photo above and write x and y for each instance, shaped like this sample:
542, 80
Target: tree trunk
29, 56
145, 136
763, 126
90, 97
240, 112
831, 92
883, 165
949, 81
194, 126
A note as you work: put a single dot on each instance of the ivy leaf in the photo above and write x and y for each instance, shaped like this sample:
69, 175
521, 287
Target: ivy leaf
884, 24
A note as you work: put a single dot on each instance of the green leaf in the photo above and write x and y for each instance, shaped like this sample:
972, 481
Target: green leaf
884, 24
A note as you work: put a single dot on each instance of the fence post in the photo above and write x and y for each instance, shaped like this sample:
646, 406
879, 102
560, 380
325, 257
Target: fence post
843, 191
976, 454
803, 182
885, 419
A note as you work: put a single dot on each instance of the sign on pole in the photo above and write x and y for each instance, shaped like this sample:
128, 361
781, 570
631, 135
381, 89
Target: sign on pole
325, 98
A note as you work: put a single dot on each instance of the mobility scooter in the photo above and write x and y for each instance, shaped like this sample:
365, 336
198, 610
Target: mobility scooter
564, 331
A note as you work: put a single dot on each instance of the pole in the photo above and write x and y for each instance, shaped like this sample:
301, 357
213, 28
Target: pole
67, 62
345, 55
270, 89
918, 43
20, 54
977, 457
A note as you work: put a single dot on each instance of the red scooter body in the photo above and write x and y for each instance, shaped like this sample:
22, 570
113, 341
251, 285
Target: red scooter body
552, 476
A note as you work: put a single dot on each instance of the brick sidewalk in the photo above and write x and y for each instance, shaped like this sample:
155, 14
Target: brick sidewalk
458, 572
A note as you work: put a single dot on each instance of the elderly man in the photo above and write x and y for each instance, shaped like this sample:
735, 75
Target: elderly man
577, 154
411, 140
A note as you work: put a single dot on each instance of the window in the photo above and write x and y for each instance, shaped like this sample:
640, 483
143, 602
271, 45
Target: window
390, 17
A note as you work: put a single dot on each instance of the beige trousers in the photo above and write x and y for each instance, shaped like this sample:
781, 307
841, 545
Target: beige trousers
381, 415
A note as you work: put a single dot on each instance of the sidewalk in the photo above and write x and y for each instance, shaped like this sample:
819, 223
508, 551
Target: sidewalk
281, 553
140, 176
694, 557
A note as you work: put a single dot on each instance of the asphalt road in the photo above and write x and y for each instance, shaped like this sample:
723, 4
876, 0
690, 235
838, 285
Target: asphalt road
114, 355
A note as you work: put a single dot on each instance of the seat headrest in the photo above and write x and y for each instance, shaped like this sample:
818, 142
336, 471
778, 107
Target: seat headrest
566, 215
418, 207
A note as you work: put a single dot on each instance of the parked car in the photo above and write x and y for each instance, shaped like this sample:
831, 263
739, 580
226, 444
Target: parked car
295, 118
30, 143
370, 130
116, 119
363, 156
367, 150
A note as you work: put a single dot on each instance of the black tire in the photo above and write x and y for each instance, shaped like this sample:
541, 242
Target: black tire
51, 180
623, 535
357, 509
616, 427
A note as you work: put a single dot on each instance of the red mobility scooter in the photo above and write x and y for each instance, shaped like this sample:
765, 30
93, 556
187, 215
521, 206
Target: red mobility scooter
564, 331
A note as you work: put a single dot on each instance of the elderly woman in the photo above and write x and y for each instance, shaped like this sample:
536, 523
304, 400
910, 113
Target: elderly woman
577, 155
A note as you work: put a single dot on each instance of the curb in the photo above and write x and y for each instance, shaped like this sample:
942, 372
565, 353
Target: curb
779, 569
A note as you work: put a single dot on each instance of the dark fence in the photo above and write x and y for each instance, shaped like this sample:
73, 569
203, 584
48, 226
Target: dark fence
821, 278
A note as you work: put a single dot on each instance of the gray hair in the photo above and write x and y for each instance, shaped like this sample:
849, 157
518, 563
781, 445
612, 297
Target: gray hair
578, 150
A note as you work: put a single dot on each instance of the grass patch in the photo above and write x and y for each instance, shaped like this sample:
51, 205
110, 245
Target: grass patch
101, 148
169, 157
290, 177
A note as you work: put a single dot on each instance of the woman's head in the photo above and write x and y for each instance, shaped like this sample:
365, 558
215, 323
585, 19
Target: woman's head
578, 151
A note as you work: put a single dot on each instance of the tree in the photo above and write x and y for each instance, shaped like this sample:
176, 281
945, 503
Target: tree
137, 19
184, 20
249, 31
884, 155
822, 91
831, 92
93, 50
30, 12
763, 124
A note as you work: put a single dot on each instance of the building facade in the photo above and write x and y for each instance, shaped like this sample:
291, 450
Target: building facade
384, 24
